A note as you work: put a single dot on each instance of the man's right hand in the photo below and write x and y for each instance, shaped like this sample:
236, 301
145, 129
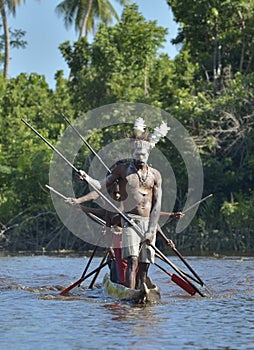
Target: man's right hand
82, 174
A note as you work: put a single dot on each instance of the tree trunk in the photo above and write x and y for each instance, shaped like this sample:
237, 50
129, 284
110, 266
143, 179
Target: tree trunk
6, 40
85, 20
243, 28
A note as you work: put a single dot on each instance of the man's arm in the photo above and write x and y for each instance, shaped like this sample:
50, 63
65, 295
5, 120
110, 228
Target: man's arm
100, 185
178, 215
156, 207
95, 183
91, 196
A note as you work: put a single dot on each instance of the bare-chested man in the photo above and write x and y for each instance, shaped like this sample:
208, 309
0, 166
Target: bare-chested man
140, 192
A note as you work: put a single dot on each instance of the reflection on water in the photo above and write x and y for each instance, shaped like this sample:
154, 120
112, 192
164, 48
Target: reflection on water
34, 315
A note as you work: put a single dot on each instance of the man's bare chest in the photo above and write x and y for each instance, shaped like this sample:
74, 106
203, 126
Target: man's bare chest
142, 183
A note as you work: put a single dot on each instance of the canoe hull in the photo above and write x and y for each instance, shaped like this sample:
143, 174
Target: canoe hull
143, 295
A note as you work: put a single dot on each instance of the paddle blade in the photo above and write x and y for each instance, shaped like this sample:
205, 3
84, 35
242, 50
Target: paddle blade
183, 284
66, 290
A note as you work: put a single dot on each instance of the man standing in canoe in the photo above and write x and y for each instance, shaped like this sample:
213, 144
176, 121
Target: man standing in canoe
140, 193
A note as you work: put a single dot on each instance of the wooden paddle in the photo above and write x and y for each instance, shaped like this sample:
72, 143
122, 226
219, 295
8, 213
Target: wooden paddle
97, 273
166, 260
197, 279
89, 261
178, 269
66, 290
179, 281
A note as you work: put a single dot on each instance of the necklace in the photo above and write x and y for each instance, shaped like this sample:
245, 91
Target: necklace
143, 188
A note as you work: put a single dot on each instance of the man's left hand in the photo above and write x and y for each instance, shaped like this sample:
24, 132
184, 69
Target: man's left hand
178, 215
171, 244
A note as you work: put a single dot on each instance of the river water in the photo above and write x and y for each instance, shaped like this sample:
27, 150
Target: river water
33, 316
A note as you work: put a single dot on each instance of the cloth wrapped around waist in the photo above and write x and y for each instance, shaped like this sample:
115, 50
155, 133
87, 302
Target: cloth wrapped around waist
131, 239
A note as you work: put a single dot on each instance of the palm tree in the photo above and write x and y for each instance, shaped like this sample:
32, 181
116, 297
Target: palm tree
84, 12
9, 5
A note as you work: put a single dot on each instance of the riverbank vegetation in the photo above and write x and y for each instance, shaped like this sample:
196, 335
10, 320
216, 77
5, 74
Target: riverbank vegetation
208, 87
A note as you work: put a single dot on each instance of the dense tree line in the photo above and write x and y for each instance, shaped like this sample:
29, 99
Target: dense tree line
208, 87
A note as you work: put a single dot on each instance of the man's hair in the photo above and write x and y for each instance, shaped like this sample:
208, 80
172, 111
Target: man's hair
144, 136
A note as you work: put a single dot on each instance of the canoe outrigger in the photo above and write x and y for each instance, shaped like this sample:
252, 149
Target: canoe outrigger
148, 292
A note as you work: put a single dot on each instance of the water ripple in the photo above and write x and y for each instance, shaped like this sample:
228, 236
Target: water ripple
34, 315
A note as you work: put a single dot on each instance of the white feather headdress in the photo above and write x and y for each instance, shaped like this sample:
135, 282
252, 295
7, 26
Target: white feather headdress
139, 126
158, 133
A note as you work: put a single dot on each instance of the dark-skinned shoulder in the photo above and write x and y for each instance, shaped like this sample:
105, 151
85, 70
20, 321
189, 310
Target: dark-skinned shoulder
120, 165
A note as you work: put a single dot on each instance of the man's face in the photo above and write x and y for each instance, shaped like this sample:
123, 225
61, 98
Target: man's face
140, 155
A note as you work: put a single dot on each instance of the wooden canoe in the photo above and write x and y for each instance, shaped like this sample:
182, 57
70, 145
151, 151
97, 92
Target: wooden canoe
143, 295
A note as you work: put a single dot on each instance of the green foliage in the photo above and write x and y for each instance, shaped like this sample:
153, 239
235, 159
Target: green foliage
208, 87
218, 34
120, 65
24, 158
238, 219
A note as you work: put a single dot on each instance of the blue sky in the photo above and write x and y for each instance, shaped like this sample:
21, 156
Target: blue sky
45, 31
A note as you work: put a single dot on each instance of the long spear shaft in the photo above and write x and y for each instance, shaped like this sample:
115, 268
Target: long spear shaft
197, 203
51, 146
76, 170
164, 213
86, 143
56, 192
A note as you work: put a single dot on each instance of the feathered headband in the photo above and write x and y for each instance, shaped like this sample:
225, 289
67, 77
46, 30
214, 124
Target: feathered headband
151, 139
